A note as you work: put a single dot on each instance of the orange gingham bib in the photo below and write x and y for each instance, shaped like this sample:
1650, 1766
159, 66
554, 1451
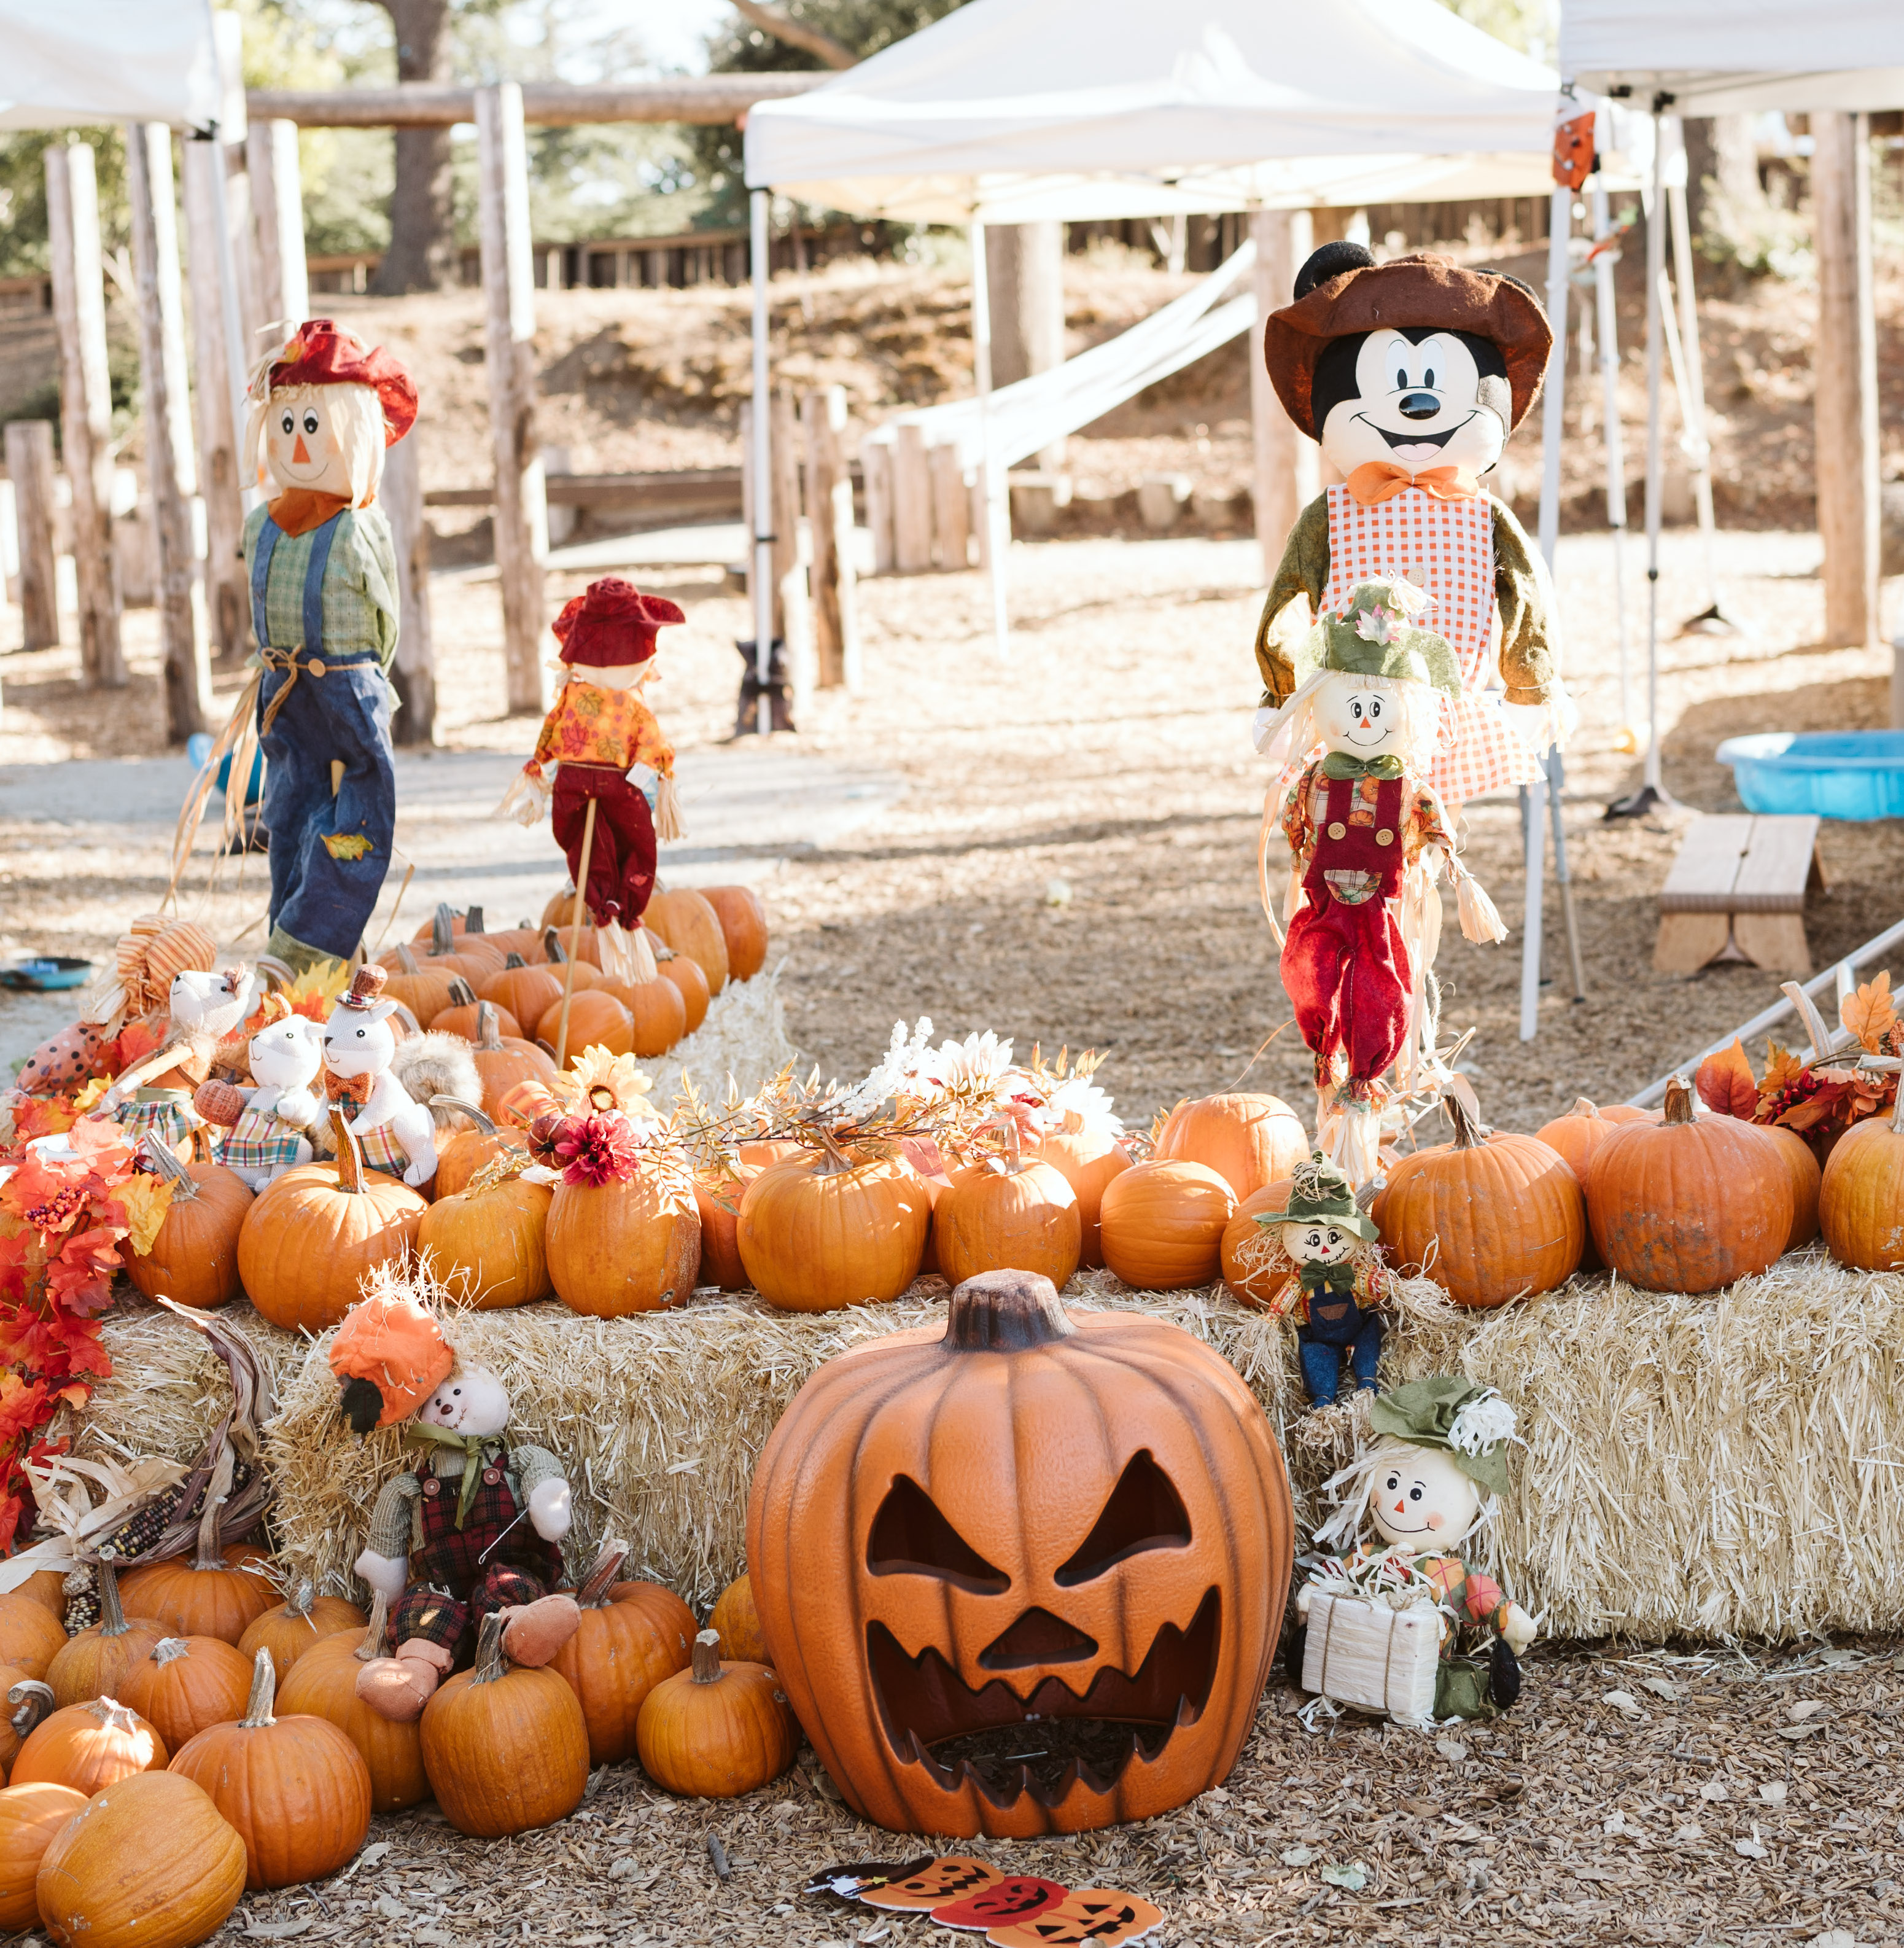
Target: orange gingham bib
1448, 546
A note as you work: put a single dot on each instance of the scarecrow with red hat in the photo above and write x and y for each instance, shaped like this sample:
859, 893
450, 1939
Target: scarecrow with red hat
608, 751
1411, 374
324, 597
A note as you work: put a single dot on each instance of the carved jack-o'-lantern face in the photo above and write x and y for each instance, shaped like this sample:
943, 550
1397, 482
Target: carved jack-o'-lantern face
1025, 1578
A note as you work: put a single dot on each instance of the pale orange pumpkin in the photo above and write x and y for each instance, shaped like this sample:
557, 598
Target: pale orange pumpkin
1801, 1165
193, 1259
183, 1684
596, 1020
1861, 1198
1087, 1160
717, 1198
1163, 1223
324, 1682
716, 1729
826, 1229
1247, 1277
743, 927
423, 986
625, 1246
89, 1747
693, 984
29, 1817
487, 1247
1009, 1213
462, 1152
527, 992
47, 1587
30, 1636
504, 1063
735, 1618
298, 1624
464, 1014
219, 1593
93, 1663
689, 925
1248, 1140
1577, 1136
632, 1635
657, 1011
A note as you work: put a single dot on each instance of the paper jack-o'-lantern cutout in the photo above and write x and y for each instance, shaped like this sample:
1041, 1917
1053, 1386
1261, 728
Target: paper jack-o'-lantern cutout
1026, 1577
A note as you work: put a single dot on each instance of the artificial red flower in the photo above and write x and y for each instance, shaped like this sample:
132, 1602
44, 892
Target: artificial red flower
595, 1149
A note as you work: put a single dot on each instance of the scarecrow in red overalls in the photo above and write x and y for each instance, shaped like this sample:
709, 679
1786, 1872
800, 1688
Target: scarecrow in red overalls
1366, 834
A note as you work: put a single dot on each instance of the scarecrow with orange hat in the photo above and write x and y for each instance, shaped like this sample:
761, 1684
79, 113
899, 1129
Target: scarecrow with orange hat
324, 605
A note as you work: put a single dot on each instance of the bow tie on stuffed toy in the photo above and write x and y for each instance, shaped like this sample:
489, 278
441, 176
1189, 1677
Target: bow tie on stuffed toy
1346, 764
1375, 481
1337, 1280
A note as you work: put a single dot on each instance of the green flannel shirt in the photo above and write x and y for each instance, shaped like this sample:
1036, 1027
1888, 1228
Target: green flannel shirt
360, 586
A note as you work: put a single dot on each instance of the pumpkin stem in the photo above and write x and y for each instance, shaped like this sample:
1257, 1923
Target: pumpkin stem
472, 920
184, 1185
1466, 1136
489, 1036
1583, 1106
110, 1715
594, 1593
169, 1650
112, 1612
463, 1107
264, 1692
31, 1700
490, 1662
462, 995
375, 1629
442, 929
350, 1158
406, 960
297, 1605
552, 946
706, 1656
1678, 1101
836, 1161
1005, 1312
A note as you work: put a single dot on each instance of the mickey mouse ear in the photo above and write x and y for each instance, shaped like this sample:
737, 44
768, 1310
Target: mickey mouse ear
1332, 261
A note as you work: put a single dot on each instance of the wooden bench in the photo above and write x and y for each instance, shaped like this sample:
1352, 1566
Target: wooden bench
1736, 892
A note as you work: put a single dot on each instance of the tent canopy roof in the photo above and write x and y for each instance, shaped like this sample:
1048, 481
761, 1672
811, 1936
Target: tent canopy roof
1737, 56
106, 60
1013, 110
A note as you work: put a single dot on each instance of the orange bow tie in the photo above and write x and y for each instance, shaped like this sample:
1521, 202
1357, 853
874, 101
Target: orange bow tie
1375, 481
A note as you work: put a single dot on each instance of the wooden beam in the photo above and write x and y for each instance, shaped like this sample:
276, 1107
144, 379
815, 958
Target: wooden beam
713, 98
522, 516
414, 673
29, 467
169, 459
85, 405
830, 517
1845, 361
277, 210
951, 507
1285, 478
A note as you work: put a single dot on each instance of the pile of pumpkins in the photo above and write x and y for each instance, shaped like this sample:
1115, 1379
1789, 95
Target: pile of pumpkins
205, 1737
301, 1248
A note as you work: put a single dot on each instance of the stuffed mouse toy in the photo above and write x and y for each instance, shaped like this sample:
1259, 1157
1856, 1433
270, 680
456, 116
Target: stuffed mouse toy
395, 1132
475, 1528
268, 1126
1411, 374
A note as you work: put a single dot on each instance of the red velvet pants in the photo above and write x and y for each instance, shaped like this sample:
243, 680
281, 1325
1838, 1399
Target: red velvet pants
622, 856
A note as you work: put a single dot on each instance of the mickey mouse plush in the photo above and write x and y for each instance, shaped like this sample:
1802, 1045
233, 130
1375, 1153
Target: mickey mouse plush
1410, 374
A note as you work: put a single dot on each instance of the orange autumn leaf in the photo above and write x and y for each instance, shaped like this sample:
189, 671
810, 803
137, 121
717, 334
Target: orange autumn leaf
1782, 1069
1869, 1014
1725, 1082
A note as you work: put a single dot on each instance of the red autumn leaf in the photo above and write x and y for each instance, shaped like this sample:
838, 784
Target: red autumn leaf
16, 1265
1725, 1082
11, 1509
86, 1354
81, 1276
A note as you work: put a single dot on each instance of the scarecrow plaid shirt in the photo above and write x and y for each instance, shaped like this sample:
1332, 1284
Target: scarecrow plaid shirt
360, 586
1468, 1597
1307, 807
590, 724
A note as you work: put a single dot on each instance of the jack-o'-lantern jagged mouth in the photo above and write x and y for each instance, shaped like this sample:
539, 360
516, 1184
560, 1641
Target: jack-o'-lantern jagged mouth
1008, 1742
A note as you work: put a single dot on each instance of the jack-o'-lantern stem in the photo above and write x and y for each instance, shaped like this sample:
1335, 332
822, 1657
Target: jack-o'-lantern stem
1678, 1101
1005, 1312
706, 1657
1466, 1136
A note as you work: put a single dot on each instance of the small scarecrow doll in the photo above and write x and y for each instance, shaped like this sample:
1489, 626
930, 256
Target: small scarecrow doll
1366, 835
614, 790
323, 598
1411, 374
1429, 1482
1338, 1282
475, 1528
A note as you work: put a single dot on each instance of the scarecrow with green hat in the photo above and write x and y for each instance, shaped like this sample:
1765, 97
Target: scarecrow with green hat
1429, 1482
1367, 838
1338, 1281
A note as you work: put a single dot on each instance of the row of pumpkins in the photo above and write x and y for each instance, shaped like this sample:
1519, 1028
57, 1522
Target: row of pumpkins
204, 1737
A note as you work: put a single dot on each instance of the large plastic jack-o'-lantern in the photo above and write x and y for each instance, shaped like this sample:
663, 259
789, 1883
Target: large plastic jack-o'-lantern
1026, 1578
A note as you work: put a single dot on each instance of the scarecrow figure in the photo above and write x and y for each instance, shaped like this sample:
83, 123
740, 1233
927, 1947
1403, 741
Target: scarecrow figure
1410, 374
323, 599
1366, 835
1431, 1481
614, 790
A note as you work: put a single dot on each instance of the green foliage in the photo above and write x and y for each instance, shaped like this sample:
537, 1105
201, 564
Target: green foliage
1530, 26
23, 195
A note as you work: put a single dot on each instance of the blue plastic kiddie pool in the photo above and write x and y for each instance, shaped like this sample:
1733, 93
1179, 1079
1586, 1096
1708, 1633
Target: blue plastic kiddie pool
45, 971
1834, 773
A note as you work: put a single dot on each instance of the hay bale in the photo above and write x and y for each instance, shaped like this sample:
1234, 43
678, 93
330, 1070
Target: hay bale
744, 1036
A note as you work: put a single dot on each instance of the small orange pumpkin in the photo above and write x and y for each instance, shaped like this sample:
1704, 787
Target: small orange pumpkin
1577, 1136
1248, 1140
298, 1624
1163, 1223
743, 927
527, 992
1802, 1167
89, 1747
193, 1260
689, 925
596, 1019
30, 1636
462, 1152
185, 1683
324, 1682
826, 1229
487, 1247
657, 1009
1087, 1160
94, 1662
717, 1730
693, 984
463, 1016
1861, 1198
220, 1593
632, 1246
505, 1064
1009, 1213
737, 1618
717, 1198
29, 1817
423, 986
1246, 1276
632, 1635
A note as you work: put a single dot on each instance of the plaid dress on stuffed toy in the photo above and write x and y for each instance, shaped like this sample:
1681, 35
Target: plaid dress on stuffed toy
379, 1149
165, 1114
260, 1141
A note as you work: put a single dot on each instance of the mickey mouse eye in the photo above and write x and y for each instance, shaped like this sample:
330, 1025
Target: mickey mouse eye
1428, 378
1401, 382
310, 419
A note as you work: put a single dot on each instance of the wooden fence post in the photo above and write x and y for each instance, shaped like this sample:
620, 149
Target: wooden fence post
30, 467
168, 427
1845, 359
414, 671
85, 405
951, 507
278, 211
1286, 474
522, 515
830, 520
876, 466
912, 500
227, 595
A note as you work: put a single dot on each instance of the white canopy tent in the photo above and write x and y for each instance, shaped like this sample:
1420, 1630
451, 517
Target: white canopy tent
107, 61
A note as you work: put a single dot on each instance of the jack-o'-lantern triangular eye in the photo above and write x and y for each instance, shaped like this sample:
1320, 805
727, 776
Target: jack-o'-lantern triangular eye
1145, 1512
911, 1537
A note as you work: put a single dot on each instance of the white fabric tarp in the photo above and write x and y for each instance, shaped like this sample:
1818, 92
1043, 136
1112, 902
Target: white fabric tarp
1013, 110
106, 60
1738, 57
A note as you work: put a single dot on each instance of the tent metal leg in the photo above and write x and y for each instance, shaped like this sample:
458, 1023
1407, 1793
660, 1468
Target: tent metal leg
1532, 807
1608, 334
1563, 877
995, 543
763, 466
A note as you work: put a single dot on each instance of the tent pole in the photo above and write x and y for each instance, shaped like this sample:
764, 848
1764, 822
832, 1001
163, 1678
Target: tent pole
998, 532
1608, 334
1692, 397
763, 474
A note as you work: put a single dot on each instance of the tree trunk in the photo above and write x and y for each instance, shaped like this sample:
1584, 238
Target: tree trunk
1723, 183
422, 255
1024, 268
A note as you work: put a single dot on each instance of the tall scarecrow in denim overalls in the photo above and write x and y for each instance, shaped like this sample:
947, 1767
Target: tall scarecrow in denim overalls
323, 599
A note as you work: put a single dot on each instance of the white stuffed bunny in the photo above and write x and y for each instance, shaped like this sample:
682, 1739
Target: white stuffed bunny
395, 1132
212, 1005
268, 1122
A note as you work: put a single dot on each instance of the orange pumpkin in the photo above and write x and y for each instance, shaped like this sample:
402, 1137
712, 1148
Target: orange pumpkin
47, 1587
220, 1593
1087, 1160
424, 987
185, 1683
1861, 1199
1689, 1204
689, 925
94, 1662
566, 941
462, 1152
743, 928
632, 1636
1489, 1219
691, 982
922, 1580
464, 1017
527, 992
717, 1730
298, 1624
625, 1246
193, 1260
596, 1020
759, 1155
29, 1817
89, 1747
736, 1617
313, 1235
716, 1199
487, 1246
506, 1064
657, 1009
294, 1789
826, 1229
1577, 1136
30, 1701
323, 1683
506, 1748
1801, 1165
1163, 1223
30, 1636
1247, 1276
1007, 1213
1248, 1140
150, 1863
